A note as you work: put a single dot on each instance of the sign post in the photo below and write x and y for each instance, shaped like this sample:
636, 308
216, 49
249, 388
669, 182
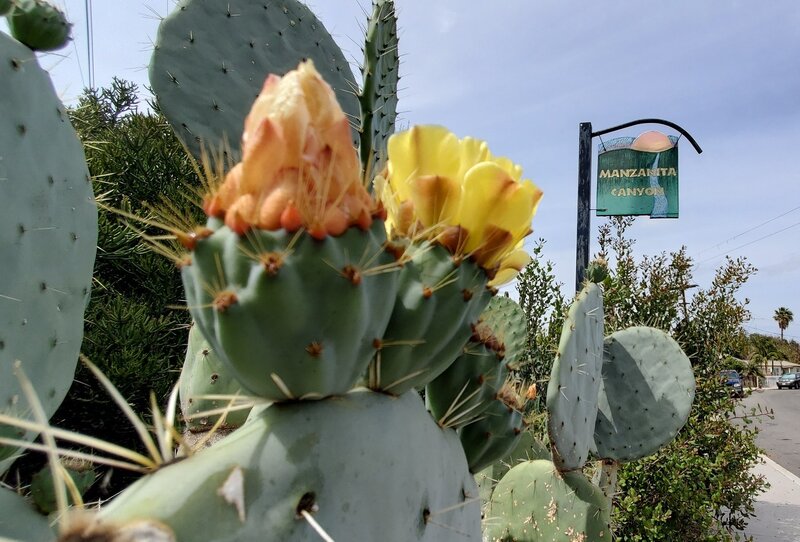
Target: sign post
635, 176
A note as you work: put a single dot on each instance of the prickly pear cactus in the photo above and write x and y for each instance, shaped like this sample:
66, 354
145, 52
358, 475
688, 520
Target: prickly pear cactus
204, 373
575, 380
646, 393
42, 488
336, 460
507, 321
48, 235
38, 24
534, 501
378, 96
211, 58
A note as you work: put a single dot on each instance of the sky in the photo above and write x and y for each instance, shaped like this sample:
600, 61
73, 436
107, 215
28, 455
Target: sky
524, 74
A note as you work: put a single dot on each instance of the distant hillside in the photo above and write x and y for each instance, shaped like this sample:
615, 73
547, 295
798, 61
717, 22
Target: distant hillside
773, 347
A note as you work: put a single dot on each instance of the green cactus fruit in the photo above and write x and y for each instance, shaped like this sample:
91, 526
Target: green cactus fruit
466, 389
437, 301
204, 373
5, 6
575, 380
529, 448
335, 460
42, 488
48, 235
597, 271
19, 521
211, 59
493, 435
534, 502
378, 96
646, 394
291, 316
39, 24
507, 321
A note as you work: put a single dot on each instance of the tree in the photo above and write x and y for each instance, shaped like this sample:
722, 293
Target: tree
784, 317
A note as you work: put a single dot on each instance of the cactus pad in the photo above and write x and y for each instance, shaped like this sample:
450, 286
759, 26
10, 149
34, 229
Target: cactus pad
534, 501
646, 393
430, 324
204, 373
211, 59
19, 522
335, 459
291, 316
378, 96
48, 235
575, 380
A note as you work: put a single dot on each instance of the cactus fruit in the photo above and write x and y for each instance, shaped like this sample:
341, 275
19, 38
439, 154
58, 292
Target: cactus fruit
211, 58
19, 522
575, 380
378, 95
48, 235
204, 373
430, 323
497, 432
534, 501
336, 460
466, 389
646, 393
39, 25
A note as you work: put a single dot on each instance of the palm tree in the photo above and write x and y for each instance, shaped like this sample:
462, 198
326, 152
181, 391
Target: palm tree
783, 316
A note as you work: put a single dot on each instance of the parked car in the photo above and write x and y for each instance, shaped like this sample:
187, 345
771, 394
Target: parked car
789, 380
732, 379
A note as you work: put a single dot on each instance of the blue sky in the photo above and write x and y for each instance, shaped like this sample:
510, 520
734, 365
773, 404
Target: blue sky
523, 74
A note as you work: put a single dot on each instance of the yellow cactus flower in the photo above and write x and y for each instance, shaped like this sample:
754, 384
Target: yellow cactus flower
457, 193
299, 167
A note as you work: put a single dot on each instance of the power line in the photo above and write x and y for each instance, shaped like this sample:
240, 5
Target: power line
748, 244
748, 230
89, 40
765, 332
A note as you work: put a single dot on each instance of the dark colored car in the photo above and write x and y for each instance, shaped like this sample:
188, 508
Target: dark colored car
789, 380
732, 379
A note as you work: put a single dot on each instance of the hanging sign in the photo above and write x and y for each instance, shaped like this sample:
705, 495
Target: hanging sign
638, 176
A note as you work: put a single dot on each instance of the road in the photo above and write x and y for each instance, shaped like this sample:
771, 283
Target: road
780, 437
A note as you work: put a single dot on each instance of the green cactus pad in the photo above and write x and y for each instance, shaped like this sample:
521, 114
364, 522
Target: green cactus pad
292, 317
5, 6
575, 380
646, 393
211, 59
378, 96
336, 459
436, 302
507, 321
43, 490
467, 388
19, 522
492, 436
48, 235
204, 373
534, 502
39, 25
528, 448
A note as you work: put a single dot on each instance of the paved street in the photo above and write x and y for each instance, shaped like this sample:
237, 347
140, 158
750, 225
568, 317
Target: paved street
779, 438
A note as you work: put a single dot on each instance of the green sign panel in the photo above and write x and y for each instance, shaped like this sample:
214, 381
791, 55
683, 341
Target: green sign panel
637, 182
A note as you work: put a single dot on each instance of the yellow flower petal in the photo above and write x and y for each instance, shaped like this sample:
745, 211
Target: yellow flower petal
435, 198
485, 185
422, 150
511, 265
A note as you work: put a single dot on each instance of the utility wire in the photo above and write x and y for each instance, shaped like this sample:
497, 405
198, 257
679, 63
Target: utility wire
90, 40
748, 231
748, 244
